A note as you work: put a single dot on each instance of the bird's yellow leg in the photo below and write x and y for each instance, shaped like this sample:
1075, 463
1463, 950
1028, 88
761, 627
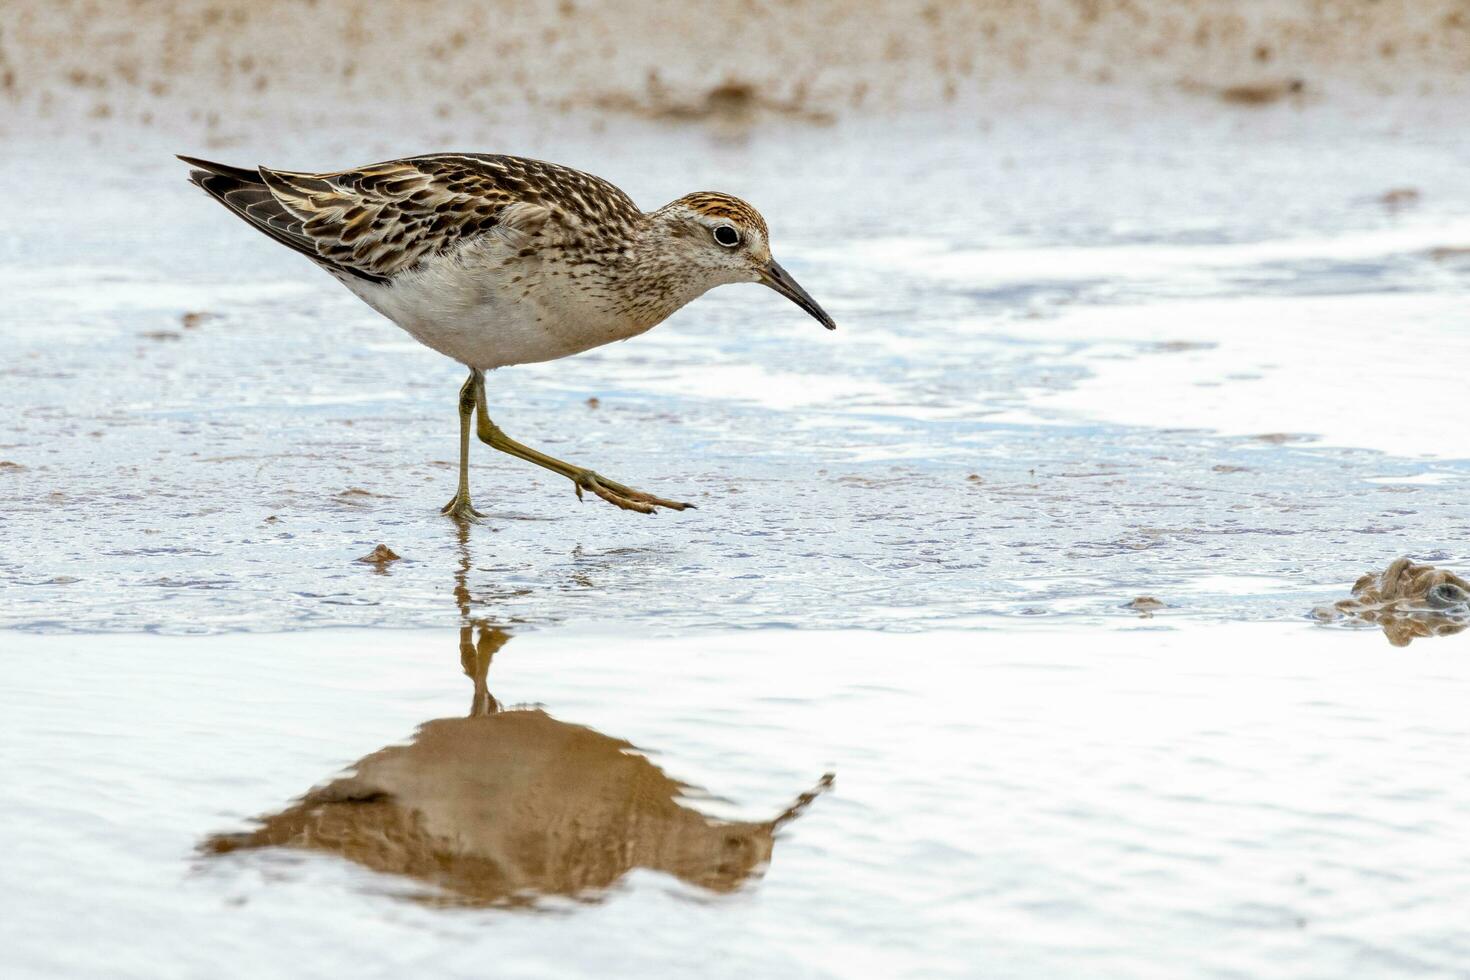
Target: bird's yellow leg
583, 479
460, 507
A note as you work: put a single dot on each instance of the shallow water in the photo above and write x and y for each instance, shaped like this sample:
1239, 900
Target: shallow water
1137, 801
1083, 358
1037, 403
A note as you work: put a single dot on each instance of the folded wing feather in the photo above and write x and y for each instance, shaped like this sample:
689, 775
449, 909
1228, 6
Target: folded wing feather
377, 221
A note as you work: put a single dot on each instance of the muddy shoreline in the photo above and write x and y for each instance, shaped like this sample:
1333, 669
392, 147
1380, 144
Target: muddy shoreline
236, 69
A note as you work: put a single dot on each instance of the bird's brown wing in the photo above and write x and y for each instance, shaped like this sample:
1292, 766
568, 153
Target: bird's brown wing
377, 221
244, 192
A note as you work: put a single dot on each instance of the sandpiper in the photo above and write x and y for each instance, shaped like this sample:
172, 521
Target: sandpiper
499, 260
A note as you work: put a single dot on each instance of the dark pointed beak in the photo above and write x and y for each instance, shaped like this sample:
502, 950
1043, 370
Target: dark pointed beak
780, 280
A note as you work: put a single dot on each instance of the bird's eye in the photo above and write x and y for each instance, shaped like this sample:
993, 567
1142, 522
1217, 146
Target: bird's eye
727, 236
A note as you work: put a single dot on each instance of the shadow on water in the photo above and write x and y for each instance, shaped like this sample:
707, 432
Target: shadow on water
508, 805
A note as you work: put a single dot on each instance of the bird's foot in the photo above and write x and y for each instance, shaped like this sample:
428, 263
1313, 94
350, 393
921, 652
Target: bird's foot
625, 497
461, 510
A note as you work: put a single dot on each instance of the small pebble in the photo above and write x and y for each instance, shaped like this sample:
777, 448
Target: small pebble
380, 556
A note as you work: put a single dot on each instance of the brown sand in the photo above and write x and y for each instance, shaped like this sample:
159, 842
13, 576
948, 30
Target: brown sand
232, 65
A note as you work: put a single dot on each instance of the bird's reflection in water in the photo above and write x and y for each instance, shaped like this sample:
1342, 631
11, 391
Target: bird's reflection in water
507, 805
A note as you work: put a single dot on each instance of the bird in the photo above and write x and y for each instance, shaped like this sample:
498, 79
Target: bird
496, 260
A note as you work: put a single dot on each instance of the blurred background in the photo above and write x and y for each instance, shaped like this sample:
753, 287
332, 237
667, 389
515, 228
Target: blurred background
231, 70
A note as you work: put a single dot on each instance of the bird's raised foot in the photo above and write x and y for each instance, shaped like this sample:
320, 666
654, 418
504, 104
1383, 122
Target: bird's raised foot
625, 497
460, 509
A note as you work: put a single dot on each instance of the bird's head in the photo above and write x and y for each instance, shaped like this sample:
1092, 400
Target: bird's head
723, 240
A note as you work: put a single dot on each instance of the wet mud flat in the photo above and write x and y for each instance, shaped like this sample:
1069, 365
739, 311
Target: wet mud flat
1065, 394
1149, 800
1119, 397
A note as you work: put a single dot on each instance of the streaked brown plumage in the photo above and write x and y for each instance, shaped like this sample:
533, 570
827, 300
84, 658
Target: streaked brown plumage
376, 221
498, 260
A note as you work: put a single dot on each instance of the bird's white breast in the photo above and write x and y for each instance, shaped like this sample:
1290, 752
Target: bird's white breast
488, 306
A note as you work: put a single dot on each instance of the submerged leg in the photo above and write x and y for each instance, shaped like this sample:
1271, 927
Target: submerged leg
460, 508
583, 479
